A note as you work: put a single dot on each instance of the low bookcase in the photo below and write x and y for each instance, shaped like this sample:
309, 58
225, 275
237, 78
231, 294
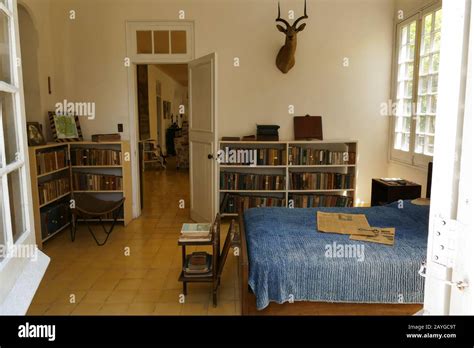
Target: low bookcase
287, 173
60, 170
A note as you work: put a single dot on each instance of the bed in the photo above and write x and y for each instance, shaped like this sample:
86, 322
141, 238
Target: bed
288, 267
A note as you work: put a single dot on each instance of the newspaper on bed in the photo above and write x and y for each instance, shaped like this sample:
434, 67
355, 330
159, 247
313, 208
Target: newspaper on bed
343, 223
385, 235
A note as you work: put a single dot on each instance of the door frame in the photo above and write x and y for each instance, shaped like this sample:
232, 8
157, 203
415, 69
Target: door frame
132, 97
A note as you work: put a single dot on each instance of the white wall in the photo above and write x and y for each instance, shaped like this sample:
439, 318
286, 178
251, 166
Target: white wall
171, 91
50, 61
90, 51
29, 52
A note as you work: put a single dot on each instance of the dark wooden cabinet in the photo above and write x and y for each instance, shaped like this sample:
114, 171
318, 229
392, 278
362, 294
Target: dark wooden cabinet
384, 192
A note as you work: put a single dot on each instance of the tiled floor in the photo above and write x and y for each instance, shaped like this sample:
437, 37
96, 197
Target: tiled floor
136, 272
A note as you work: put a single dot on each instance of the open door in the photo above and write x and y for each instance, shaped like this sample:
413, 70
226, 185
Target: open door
22, 265
462, 297
450, 262
202, 137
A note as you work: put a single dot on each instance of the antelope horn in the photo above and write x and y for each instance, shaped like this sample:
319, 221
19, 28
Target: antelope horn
279, 19
302, 17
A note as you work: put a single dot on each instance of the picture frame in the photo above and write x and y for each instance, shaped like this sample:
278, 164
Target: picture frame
34, 132
65, 128
308, 127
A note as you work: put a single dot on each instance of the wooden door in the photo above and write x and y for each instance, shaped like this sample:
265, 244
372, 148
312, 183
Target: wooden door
203, 138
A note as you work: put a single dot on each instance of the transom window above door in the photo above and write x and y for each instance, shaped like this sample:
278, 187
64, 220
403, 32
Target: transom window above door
166, 41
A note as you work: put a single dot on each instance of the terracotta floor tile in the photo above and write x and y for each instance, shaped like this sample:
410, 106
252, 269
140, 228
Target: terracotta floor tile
60, 309
96, 296
114, 309
170, 296
147, 296
38, 309
107, 282
129, 284
87, 309
121, 296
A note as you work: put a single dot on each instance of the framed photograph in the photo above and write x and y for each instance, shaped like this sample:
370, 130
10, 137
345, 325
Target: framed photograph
65, 128
35, 134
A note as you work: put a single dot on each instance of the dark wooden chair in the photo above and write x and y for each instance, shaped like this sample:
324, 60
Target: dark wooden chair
88, 207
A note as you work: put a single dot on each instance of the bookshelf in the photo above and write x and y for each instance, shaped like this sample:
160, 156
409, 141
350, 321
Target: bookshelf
312, 173
58, 170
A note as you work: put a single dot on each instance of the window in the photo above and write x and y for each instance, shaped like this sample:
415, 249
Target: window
161, 42
13, 173
416, 87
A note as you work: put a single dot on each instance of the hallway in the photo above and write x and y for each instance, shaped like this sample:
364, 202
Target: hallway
136, 272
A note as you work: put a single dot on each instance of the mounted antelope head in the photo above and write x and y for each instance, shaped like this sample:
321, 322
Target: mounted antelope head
286, 56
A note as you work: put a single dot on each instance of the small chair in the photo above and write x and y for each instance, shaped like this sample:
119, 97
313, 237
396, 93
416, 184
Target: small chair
86, 206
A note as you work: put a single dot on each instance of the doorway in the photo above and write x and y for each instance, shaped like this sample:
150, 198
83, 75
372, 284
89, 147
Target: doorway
163, 119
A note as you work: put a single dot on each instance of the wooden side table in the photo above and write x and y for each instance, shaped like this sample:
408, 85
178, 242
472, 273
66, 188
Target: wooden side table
208, 278
218, 258
384, 192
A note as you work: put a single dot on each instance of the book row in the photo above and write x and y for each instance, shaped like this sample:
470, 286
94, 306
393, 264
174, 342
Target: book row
229, 202
311, 201
96, 157
261, 157
271, 157
244, 181
308, 156
54, 218
97, 182
321, 181
50, 161
50, 190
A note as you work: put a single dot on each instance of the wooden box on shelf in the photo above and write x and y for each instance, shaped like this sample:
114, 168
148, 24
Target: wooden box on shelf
52, 171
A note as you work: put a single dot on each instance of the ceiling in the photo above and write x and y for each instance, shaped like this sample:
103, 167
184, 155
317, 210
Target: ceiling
178, 72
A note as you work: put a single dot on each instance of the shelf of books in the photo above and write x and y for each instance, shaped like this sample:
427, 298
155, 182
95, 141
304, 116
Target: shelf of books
296, 174
58, 170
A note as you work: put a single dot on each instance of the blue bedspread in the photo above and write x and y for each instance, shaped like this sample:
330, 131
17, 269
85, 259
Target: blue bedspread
290, 260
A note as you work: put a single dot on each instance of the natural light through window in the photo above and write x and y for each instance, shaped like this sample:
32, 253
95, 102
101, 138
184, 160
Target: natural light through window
418, 54
406, 61
428, 83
